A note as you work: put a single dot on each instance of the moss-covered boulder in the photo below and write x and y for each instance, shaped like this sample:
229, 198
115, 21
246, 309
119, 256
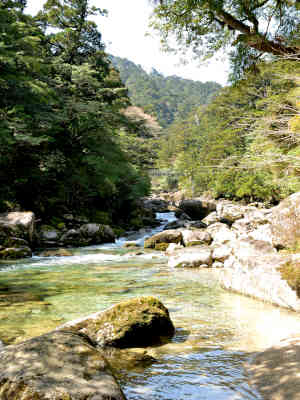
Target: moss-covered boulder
137, 322
14, 253
168, 236
56, 366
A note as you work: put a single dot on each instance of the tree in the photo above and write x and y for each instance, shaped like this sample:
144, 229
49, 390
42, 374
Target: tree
252, 27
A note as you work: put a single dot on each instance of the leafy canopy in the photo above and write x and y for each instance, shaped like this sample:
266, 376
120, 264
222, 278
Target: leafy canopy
251, 27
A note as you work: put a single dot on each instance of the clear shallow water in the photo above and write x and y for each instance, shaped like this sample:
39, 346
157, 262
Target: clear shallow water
216, 331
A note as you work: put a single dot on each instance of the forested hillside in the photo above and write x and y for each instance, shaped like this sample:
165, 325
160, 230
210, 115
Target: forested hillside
246, 143
167, 98
64, 134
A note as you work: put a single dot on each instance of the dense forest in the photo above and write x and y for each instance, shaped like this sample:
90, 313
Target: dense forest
246, 143
167, 98
66, 141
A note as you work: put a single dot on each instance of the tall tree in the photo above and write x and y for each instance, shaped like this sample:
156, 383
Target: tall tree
252, 27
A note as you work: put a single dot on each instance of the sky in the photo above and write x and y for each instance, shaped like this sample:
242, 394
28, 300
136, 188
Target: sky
124, 33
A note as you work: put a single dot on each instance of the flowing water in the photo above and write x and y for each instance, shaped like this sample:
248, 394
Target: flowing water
216, 331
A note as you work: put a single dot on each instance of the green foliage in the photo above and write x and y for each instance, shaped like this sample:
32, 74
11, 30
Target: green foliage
253, 28
61, 109
245, 144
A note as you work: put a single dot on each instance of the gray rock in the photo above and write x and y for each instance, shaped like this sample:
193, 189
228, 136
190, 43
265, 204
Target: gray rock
229, 211
72, 237
17, 224
197, 208
171, 249
56, 366
285, 222
212, 218
97, 233
221, 233
221, 253
195, 237
253, 270
191, 257
48, 233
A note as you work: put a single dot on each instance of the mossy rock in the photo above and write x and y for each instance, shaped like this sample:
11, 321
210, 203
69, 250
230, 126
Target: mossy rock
138, 322
161, 246
290, 272
14, 253
167, 236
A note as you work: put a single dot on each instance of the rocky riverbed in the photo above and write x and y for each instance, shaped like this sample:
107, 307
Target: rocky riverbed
250, 249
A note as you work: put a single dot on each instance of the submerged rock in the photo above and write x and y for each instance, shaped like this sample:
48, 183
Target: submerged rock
168, 236
56, 366
137, 322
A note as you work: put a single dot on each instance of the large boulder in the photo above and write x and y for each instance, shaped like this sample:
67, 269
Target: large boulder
211, 218
73, 237
195, 237
221, 233
254, 269
47, 236
137, 322
168, 236
97, 233
156, 204
256, 224
17, 224
191, 257
230, 212
56, 366
172, 248
285, 222
14, 253
197, 208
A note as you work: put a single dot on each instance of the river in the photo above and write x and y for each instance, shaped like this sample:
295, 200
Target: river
216, 331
